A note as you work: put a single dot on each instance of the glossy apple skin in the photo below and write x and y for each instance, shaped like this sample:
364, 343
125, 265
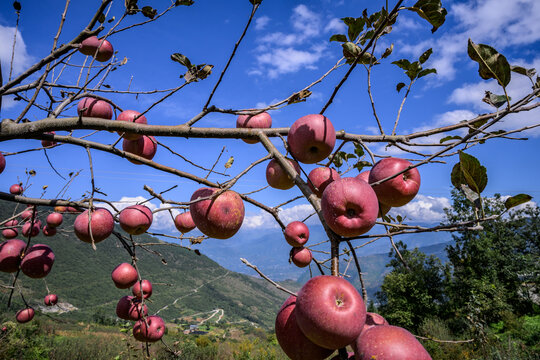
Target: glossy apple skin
130, 308
54, 219
102, 225
399, 190
29, 229
38, 261
311, 138
219, 218
150, 329
16, 189
26, 214
372, 319
10, 233
301, 256
10, 255
387, 342
49, 231
320, 178
124, 276
184, 222
104, 48
330, 311
259, 121
95, 108
129, 115
24, 315
48, 143
145, 146
2, 162
146, 289
383, 208
51, 300
296, 233
277, 177
292, 340
136, 219
349, 207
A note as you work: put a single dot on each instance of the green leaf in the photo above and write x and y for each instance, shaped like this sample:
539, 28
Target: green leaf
414, 70
494, 100
184, 2
355, 25
444, 139
17, 6
338, 37
338, 159
492, 65
361, 164
425, 72
358, 150
101, 18
516, 200
400, 86
521, 70
476, 125
432, 11
349, 156
299, 97
425, 56
149, 12
229, 162
351, 50
474, 174
403, 64
387, 52
131, 6
182, 59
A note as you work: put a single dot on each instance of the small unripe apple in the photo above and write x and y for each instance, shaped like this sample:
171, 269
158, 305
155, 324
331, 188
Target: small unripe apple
145, 146
10, 255
50, 300
277, 177
320, 178
301, 256
399, 190
262, 120
184, 222
124, 276
136, 219
102, 225
24, 315
54, 219
94, 108
149, 329
296, 233
311, 138
129, 116
49, 231
38, 261
146, 289
16, 189
104, 49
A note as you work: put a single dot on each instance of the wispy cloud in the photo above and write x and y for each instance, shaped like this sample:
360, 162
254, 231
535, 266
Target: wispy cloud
263, 220
423, 209
21, 59
260, 23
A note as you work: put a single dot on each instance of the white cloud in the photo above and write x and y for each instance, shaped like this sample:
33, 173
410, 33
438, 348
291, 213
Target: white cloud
263, 220
21, 60
424, 209
286, 60
336, 25
305, 21
260, 23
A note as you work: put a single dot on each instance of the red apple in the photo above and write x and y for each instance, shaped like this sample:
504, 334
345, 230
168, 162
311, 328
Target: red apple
24, 315
296, 233
16, 189
130, 308
49, 231
50, 300
10, 233
349, 207
48, 143
311, 138
102, 225
330, 311
130, 115
262, 120
399, 190
220, 217
387, 342
145, 146
54, 219
291, 339
277, 177
320, 178
301, 256
92, 44
29, 229
2, 162
94, 108
27, 214
383, 208
184, 222
10, 255
72, 209
135, 219
124, 276
146, 289
372, 319
149, 329
38, 261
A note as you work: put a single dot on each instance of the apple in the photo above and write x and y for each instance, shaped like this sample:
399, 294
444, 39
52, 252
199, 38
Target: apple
292, 340
146, 289
38, 261
72, 209
60, 209
145, 146
383, 208
330, 311
2, 162
387, 342
220, 217
49, 231
10, 255
136, 219
124, 276
130, 115
10, 232
320, 178
29, 229
54, 219
130, 308
92, 44
349, 207
50, 300
102, 225
301, 256
94, 108
399, 190
48, 143
16, 189
27, 214
149, 329
277, 177
374, 319
24, 315
311, 138
262, 120
296, 233
184, 222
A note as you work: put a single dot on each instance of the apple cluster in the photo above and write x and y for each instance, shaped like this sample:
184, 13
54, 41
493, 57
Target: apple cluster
297, 234
329, 314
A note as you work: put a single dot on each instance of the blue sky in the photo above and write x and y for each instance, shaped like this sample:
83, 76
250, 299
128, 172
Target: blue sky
286, 48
